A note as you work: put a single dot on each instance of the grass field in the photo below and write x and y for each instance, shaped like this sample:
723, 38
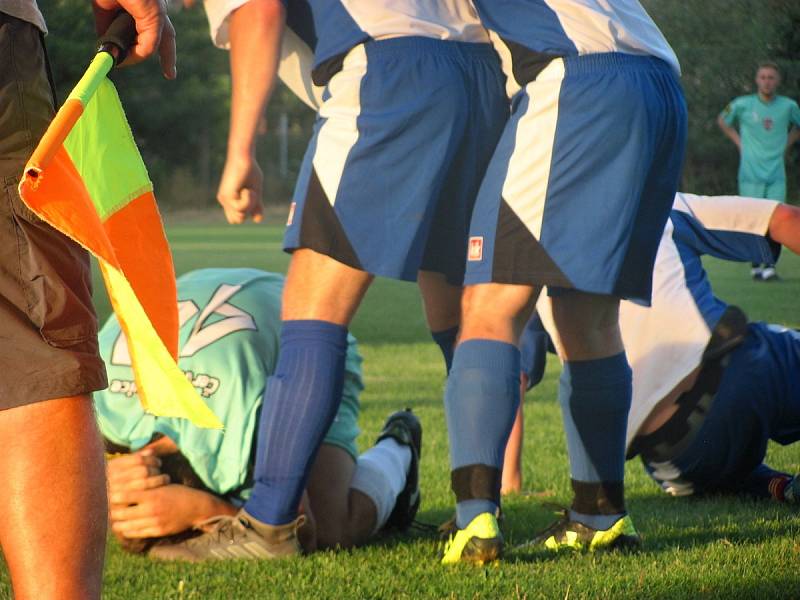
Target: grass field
693, 548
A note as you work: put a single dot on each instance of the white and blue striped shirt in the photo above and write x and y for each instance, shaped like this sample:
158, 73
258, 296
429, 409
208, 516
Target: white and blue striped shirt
330, 28
529, 33
665, 342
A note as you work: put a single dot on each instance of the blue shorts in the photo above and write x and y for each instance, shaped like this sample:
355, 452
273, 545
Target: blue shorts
583, 178
399, 148
757, 400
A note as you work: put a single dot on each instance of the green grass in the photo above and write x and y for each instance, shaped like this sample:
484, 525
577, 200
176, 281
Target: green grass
693, 548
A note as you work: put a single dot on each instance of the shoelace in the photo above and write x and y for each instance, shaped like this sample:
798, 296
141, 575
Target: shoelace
219, 526
562, 514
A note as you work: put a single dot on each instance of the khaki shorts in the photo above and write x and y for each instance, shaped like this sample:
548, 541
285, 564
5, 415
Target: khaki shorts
48, 327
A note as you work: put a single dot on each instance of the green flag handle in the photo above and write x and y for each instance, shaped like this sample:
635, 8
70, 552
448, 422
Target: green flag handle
119, 37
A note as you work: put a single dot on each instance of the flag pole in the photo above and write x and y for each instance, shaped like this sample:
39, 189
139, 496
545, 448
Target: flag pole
112, 49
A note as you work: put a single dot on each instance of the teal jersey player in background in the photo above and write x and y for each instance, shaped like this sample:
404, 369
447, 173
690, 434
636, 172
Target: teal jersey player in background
172, 476
767, 128
764, 133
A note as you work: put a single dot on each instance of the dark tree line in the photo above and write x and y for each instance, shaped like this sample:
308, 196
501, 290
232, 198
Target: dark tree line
719, 44
181, 126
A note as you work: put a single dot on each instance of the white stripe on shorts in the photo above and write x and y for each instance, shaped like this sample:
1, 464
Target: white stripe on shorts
506, 62
339, 133
528, 176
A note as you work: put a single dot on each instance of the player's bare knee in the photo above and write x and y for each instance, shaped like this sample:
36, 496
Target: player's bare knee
582, 311
321, 288
496, 311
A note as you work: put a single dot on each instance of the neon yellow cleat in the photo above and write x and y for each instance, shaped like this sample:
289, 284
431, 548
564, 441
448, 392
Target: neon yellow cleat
571, 535
479, 542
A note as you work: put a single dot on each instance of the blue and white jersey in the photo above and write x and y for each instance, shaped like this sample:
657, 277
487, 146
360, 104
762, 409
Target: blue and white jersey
529, 33
330, 28
666, 342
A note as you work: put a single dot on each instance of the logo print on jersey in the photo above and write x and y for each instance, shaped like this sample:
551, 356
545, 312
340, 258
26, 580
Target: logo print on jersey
768, 124
233, 319
475, 248
292, 206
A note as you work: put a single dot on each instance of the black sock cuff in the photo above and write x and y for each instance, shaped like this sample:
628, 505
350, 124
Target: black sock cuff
598, 497
445, 336
476, 482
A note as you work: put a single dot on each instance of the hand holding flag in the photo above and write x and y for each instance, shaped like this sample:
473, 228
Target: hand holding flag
154, 30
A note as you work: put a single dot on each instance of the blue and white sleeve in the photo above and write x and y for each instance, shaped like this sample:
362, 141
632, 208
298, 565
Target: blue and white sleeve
727, 227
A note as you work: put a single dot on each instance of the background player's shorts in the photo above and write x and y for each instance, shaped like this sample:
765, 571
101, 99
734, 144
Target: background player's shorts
772, 191
48, 328
398, 152
583, 178
757, 400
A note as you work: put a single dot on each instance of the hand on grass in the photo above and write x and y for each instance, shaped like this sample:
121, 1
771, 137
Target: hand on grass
155, 32
239, 191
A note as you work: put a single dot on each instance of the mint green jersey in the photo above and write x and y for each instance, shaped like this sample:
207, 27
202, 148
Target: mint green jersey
764, 129
229, 336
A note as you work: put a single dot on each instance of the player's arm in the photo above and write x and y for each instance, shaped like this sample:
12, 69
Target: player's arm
730, 132
726, 121
784, 227
255, 38
163, 511
791, 140
143, 503
794, 122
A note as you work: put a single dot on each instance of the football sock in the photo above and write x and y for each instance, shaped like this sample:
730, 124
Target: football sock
481, 402
300, 403
595, 397
381, 475
446, 340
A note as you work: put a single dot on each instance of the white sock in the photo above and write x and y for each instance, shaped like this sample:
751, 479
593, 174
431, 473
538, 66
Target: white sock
381, 475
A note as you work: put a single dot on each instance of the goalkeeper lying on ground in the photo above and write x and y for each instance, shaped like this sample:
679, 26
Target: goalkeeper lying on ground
710, 388
169, 479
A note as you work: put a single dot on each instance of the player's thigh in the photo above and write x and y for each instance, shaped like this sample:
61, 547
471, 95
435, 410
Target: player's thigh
320, 287
496, 311
588, 324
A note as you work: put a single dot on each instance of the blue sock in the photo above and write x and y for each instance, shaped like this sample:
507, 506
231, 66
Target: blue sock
595, 398
481, 402
446, 340
300, 404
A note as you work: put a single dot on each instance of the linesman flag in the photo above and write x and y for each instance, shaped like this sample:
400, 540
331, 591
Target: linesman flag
87, 179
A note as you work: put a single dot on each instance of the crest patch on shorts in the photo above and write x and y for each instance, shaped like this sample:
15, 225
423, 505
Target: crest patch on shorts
475, 248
